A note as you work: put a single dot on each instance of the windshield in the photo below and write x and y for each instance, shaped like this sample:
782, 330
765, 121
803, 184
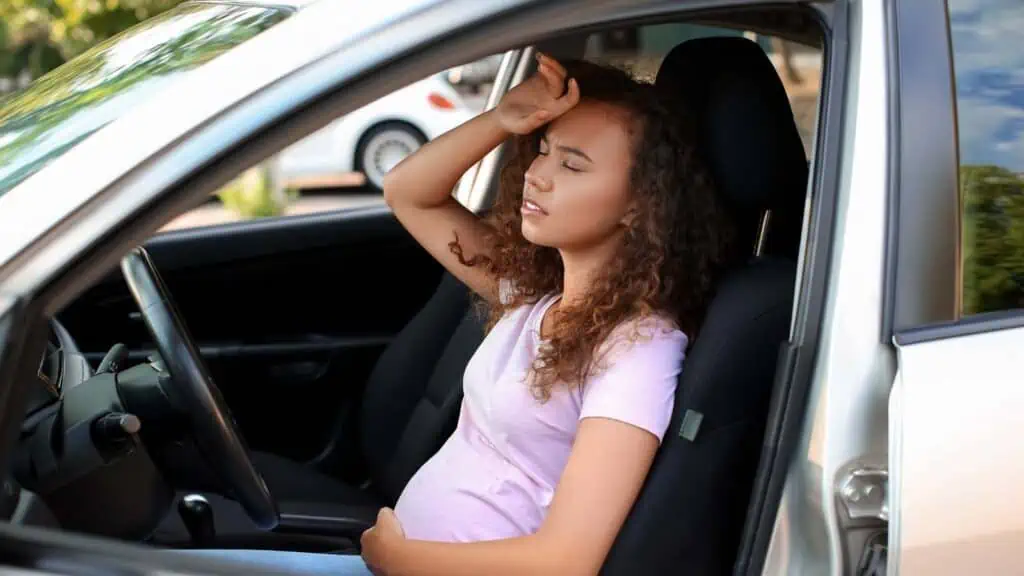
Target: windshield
67, 105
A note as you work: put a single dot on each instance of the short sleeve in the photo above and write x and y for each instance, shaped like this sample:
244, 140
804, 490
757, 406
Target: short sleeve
638, 383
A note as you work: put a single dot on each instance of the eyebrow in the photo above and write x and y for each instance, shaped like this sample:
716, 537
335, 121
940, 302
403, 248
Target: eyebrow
570, 150
575, 152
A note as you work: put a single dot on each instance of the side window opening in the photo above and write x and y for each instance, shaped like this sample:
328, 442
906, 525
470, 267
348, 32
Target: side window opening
335, 167
341, 166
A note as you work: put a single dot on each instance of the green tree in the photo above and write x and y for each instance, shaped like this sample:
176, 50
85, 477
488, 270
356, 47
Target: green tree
992, 204
37, 36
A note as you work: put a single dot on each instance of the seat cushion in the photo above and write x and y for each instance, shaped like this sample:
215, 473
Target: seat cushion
290, 481
299, 490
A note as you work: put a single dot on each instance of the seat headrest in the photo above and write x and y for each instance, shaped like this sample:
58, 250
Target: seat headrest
743, 121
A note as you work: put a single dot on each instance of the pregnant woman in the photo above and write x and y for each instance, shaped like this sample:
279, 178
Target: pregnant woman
596, 264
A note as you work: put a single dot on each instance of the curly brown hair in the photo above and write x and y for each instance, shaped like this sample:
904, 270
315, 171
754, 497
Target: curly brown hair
671, 256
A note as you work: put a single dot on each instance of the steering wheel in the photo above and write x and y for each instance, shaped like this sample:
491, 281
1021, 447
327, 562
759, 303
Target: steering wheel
210, 418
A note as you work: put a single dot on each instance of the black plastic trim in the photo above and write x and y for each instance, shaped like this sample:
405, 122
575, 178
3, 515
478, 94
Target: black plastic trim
786, 416
22, 344
761, 488
892, 181
323, 525
922, 254
270, 236
978, 324
267, 350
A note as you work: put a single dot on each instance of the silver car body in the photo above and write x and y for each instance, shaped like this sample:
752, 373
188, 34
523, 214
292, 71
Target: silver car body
872, 407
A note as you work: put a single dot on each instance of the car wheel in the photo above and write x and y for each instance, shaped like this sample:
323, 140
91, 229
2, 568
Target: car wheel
383, 147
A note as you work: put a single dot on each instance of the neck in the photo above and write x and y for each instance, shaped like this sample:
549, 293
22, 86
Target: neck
581, 267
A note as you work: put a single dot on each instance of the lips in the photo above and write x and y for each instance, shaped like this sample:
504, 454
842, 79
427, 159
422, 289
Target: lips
531, 207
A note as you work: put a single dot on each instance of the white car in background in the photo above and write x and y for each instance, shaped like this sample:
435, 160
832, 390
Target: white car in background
376, 137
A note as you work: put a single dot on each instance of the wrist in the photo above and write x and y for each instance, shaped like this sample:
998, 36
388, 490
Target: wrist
494, 119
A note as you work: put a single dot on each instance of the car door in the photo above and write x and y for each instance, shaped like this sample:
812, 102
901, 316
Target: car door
292, 296
290, 313
956, 439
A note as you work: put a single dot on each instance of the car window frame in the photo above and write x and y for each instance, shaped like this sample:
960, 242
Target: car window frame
911, 237
923, 268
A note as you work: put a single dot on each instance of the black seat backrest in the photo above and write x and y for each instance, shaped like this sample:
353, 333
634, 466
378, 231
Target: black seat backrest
689, 516
412, 397
746, 131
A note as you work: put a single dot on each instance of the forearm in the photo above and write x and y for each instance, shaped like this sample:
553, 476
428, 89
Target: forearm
524, 556
427, 177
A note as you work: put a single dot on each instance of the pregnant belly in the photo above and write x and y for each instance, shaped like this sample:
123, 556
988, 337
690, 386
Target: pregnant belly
468, 493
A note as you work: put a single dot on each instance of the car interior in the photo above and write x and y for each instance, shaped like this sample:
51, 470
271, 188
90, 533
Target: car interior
338, 346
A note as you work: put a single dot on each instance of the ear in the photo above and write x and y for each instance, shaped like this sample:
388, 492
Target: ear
632, 212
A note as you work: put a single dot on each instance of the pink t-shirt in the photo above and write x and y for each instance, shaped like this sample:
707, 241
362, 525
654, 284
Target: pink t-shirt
495, 476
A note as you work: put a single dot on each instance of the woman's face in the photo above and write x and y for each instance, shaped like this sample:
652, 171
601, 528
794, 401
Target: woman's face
576, 193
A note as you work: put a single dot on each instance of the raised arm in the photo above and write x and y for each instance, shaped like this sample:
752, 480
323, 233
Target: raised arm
418, 190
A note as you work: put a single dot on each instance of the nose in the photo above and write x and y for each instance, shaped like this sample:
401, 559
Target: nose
537, 181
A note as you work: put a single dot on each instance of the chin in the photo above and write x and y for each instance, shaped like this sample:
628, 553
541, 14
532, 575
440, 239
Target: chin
535, 236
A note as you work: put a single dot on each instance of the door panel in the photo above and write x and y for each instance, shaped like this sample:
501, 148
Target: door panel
290, 314
957, 457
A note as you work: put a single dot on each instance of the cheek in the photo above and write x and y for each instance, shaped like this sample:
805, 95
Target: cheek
593, 202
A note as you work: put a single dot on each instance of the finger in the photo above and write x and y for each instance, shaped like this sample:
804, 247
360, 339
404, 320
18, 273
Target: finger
554, 67
554, 64
571, 98
552, 81
396, 524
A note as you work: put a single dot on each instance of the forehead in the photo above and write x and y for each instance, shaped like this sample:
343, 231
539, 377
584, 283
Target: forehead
592, 126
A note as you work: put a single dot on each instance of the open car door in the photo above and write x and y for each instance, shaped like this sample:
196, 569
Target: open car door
956, 456
956, 448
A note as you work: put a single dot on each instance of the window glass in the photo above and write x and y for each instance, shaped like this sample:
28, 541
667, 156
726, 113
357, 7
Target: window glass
67, 105
989, 70
343, 164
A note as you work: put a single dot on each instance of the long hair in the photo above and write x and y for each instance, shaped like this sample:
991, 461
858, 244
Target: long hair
671, 255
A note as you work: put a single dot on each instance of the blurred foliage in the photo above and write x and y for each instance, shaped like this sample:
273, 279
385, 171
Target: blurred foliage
37, 36
255, 194
992, 204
